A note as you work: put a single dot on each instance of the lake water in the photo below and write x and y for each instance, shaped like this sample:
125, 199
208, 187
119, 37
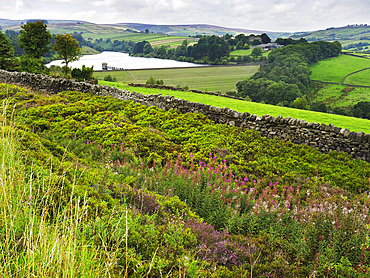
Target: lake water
123, 61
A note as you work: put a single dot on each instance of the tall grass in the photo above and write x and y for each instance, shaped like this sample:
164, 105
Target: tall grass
38, 236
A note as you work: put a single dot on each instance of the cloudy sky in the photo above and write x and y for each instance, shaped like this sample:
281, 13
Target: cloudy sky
266, 15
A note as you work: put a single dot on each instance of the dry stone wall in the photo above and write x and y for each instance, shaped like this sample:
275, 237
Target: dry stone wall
324, 137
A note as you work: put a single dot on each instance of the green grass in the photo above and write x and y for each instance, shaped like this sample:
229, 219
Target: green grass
351, 123
335, 69
362, 77
88, 50
214, 79
334, 95
245, 52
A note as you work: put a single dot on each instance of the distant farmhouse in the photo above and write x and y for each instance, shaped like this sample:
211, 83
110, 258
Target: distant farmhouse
268, 46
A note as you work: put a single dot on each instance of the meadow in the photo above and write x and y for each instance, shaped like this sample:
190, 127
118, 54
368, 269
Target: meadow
335, 69
245, 52
105, 187
341, 96
353, 124
212, 79
362, 77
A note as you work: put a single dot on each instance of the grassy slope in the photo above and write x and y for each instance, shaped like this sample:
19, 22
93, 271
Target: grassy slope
335, 69
353, 124
345, 35
244, 52
362, 78
216, 79
336, 96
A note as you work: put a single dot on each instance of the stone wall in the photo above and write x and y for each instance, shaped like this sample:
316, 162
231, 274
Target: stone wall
324, 137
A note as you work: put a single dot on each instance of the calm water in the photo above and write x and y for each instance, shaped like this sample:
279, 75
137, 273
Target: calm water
124, 61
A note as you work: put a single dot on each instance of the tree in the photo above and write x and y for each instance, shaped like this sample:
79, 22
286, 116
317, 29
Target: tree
67, 48
265, 38
31, 65
7, 60
34, 39
256, 52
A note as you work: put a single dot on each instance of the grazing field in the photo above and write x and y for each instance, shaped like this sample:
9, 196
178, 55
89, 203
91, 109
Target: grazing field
353, 124
214, 79
245, 52
335, 69
362, 77
339, 96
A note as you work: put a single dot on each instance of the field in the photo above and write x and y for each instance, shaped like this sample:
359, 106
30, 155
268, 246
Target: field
335, 69
362, 77
353, 124
213, 79
339, 96
245, 52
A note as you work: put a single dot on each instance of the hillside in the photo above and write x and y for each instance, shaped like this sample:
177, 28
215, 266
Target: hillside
196, 29
115, 188
352, 37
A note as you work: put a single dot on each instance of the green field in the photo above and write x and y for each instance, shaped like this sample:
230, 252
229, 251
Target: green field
362, 77
339, 96
335, 69
351, 123
245, 52
213, 79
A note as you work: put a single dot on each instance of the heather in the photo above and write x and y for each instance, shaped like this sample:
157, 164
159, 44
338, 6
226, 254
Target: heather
94, 186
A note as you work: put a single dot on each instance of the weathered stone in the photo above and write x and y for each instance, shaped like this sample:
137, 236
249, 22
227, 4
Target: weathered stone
366, 138
359, 136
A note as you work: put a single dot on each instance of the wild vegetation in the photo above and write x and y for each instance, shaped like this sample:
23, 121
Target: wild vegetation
107, 187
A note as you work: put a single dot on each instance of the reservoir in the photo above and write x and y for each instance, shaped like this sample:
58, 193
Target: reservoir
120, 60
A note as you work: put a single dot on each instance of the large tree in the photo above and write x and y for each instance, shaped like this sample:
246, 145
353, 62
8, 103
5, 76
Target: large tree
7, 60
67, 48
34, 39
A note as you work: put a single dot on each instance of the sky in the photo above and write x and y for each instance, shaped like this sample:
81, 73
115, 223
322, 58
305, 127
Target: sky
264, 15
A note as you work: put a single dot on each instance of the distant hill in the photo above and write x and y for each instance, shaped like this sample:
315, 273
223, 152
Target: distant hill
352, 37
7, 23
196, 29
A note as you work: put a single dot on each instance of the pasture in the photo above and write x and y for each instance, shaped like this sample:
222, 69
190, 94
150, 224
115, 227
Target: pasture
245, 52
339, 96
212, 79
351, 123
362, 77
335, 69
